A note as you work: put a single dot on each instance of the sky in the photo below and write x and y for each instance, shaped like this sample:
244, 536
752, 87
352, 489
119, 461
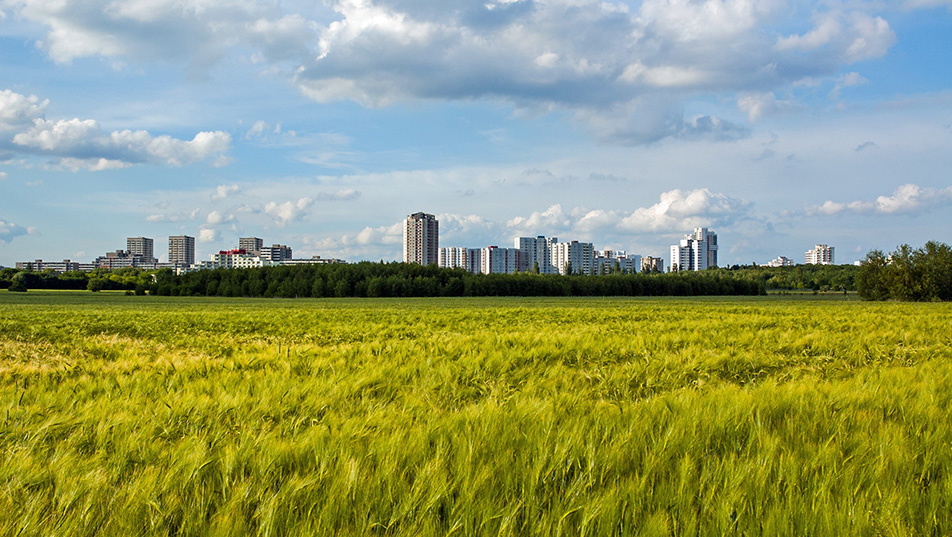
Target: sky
779, 124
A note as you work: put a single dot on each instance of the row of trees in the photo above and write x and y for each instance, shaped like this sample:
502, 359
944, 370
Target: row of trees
408, 280
126, 279
815, 277
923, 274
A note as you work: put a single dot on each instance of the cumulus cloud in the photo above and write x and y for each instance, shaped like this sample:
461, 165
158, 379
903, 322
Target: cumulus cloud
624, 71
678, 209
82, 144
10, 231
18, 111
675, 211
552, 220
224, 191
906, 199
287, 212
208, 235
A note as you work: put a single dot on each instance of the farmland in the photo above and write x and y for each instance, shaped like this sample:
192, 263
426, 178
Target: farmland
801, 415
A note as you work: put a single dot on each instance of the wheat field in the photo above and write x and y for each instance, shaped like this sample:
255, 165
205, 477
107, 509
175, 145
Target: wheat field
749, 416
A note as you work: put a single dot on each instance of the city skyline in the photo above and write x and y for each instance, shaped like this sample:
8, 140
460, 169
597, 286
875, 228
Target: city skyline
781, 124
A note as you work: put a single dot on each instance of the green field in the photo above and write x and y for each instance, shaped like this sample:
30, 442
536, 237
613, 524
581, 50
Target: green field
796, 415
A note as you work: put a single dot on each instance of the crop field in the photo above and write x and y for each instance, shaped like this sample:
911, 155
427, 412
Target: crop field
131, 415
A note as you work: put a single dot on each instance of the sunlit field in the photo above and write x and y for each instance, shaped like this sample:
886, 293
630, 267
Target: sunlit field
778, 415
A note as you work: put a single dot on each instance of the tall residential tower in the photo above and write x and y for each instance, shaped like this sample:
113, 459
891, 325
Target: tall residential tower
696, 251
421, 239
182, 250
141, 246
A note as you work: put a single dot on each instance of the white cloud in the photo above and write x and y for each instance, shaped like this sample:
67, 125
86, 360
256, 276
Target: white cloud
288, 212
208, 235
224, 191
551, 221
605, 65
82, 144
906, 199
842, 38
848, 80
10, 231
346, 194
19, 111
679, 209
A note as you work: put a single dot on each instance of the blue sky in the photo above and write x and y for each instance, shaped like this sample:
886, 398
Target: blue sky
778, 123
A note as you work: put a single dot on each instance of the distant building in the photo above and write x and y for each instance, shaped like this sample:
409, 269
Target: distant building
315, 260
537, 254
652, 264
781, 262
469, 259
609, 262
696, 251
142, 247
421, 239
573, 257
125, 259
497, 260
276, 253
821, 254
181, 250
252, 245
57, 266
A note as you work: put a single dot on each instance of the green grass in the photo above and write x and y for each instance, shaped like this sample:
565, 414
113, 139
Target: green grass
753, 416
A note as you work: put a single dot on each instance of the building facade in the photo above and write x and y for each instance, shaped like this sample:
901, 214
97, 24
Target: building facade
821, 254
781, 261
252, 245
609, 262
39, 265
696, 251
573, 257
652, 264
536, 254
421, 239
143, 247
496, 260
276, 253
181, 250
469, 259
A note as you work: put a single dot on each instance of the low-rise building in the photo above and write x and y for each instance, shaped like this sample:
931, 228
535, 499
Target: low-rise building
781, 262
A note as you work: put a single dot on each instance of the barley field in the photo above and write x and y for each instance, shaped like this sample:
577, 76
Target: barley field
131, 415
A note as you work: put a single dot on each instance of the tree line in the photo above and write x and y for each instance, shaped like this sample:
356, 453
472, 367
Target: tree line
367, 279
921, 274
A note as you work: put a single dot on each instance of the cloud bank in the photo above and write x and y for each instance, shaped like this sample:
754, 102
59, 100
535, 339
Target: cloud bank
623, 70
906, 199
82, 144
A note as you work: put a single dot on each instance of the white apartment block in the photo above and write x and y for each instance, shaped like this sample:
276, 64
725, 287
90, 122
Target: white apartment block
781, 262
821, 254
537, 252
497, 260
609, 262
421, 239
573, 257
696, 251
469, 259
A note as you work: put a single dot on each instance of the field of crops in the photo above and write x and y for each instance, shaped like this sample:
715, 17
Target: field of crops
129, 415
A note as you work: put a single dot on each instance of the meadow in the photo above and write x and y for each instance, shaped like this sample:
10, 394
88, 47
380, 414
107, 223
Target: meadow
797, 415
